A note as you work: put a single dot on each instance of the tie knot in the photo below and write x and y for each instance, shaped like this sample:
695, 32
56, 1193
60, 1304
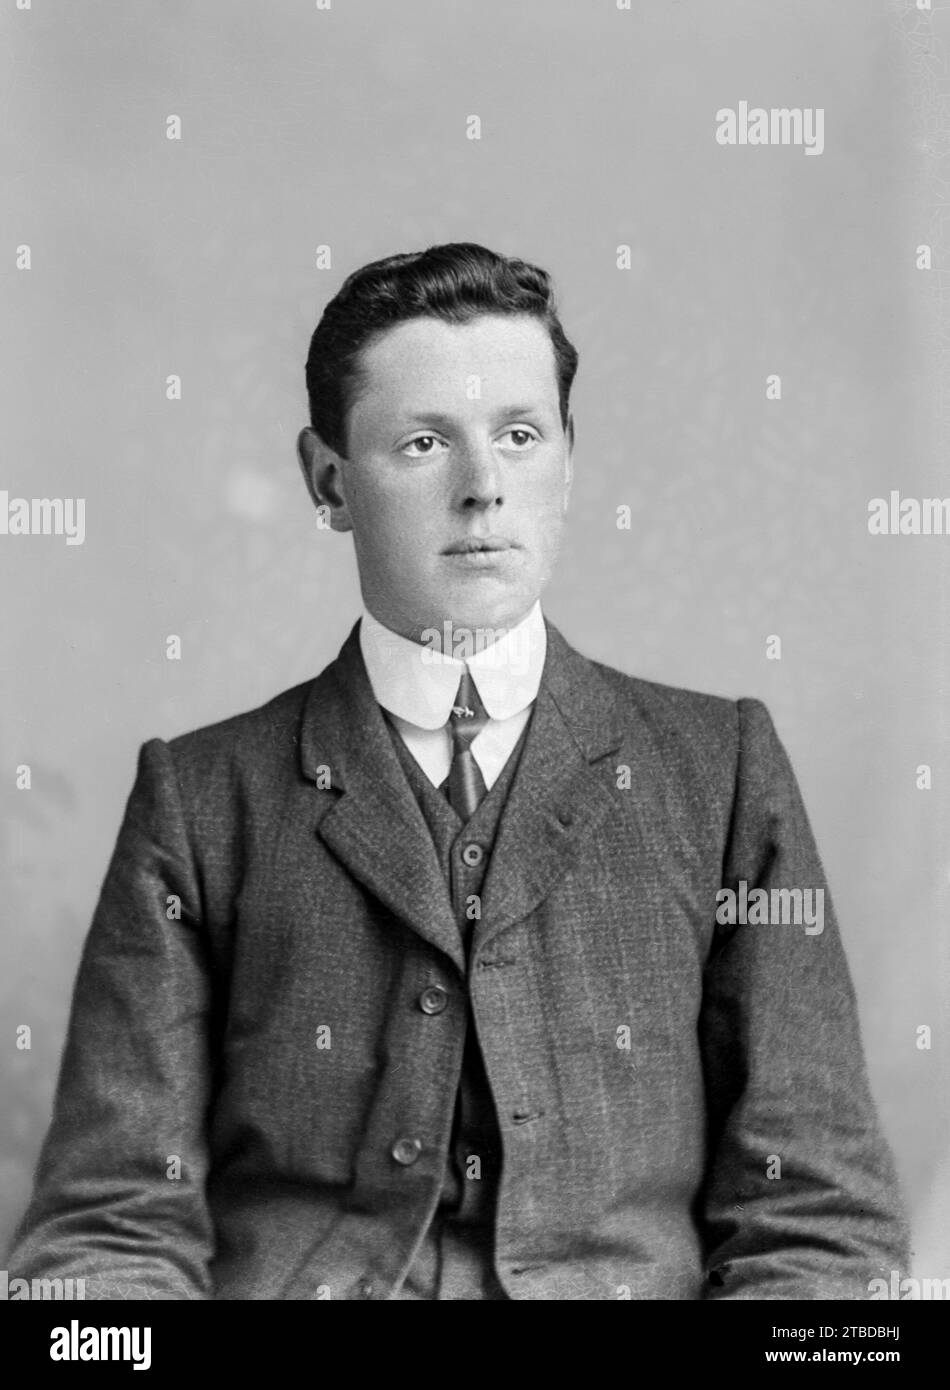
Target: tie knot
468, 716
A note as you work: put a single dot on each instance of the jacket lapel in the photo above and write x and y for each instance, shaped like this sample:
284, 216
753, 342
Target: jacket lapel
373, 825
558, 797
370, 820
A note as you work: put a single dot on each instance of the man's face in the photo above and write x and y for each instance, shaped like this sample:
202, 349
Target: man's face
458, 472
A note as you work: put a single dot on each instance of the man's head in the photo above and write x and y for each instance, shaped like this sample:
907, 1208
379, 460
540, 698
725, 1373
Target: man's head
439, 386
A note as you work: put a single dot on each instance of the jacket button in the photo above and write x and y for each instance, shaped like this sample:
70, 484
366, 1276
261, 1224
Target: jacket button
472, 855
406, 1151
366, 1288
433, 999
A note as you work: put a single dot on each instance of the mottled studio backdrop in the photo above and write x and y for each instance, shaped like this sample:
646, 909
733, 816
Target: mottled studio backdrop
690, 272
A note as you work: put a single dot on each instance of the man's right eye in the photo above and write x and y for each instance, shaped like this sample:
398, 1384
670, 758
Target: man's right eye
424, 440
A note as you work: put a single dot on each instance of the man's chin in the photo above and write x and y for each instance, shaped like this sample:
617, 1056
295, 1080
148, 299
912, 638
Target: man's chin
480, 610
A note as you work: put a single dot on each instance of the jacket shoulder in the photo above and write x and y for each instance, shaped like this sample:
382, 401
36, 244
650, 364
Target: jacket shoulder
674, 708
697, 747
254, 736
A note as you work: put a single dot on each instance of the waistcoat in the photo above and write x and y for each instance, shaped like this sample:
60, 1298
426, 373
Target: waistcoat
456, 1258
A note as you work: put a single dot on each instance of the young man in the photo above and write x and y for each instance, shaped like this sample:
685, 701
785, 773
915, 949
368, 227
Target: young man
418, 982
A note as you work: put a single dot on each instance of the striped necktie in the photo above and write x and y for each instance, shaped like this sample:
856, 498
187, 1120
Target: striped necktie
465, 785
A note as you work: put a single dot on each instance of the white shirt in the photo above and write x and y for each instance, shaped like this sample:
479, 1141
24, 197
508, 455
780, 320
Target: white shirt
418, 684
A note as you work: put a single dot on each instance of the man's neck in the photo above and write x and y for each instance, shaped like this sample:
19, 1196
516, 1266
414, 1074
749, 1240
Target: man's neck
452, 638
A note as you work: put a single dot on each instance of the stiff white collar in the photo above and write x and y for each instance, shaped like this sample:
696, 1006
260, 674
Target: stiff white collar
419, 683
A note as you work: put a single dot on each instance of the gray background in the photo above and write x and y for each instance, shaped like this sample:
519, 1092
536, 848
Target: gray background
346, 128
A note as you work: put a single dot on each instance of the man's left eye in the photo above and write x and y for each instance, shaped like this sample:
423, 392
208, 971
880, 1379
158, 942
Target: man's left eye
526, 437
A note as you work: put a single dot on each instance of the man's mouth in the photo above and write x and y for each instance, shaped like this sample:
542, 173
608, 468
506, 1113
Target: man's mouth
472, 545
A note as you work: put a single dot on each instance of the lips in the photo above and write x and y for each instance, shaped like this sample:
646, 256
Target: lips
472, 545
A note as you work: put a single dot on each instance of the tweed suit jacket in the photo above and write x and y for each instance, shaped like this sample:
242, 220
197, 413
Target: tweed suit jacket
683, 1105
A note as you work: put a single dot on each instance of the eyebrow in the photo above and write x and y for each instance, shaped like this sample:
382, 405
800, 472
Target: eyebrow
504, 412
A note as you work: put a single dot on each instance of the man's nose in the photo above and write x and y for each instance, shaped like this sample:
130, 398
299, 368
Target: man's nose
479, 481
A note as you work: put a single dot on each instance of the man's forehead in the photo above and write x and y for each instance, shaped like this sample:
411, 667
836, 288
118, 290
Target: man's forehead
424, 356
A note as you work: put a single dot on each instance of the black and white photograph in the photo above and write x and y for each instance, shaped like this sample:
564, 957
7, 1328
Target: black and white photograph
474, 535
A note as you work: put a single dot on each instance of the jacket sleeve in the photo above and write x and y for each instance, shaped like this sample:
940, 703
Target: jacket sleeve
119, 1196
801, 1199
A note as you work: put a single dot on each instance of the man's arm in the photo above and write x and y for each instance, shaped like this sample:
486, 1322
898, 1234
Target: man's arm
801, 1199
119, 1195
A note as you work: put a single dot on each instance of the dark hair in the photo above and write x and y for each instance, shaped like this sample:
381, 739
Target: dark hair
455, 283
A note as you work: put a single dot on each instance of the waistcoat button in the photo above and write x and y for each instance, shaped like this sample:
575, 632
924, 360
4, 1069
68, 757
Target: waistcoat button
433, 999
472, 855
406, 1151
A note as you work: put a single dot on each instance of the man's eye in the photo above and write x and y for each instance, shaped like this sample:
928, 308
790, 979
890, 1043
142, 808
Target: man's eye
524, 437
420, 447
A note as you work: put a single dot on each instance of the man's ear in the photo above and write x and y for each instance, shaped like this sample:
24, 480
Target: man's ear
324, 477
569, 460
